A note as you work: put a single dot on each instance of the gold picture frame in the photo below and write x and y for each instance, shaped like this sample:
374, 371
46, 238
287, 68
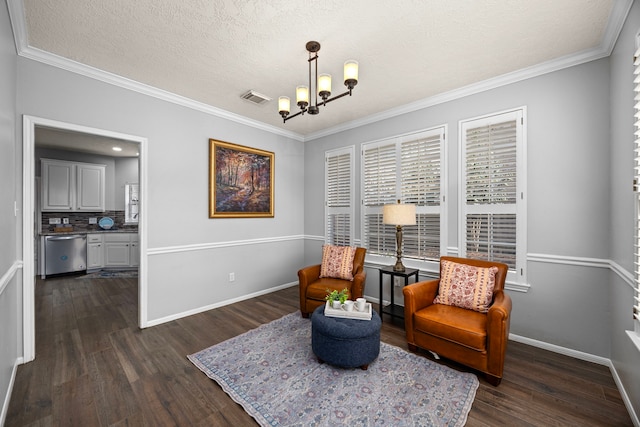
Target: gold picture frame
241, 181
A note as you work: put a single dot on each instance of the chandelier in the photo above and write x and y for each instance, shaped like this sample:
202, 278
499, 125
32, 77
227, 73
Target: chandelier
321, 87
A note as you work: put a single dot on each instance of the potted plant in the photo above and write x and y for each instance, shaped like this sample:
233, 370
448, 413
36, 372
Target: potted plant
337, 298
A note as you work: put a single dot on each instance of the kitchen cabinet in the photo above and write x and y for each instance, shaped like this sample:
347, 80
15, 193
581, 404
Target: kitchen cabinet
134, 251
121, 250
95, 251
72, 186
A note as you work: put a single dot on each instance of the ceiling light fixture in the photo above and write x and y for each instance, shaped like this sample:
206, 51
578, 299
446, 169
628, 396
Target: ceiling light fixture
116, 149
321, 87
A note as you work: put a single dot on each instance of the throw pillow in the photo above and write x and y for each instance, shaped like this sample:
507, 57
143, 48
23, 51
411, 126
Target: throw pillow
466, 286
337, 262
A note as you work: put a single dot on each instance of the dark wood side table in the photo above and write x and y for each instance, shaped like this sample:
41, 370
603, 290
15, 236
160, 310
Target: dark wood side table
392, 309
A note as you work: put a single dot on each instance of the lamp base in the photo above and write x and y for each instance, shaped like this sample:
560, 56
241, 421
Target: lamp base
399, 266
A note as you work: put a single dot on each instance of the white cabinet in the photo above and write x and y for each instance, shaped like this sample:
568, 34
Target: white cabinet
95, 251
121, 250
72, 186
134, 251
58, 185
90, 187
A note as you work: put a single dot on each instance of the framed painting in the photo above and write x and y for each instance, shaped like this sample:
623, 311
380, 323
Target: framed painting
240, 181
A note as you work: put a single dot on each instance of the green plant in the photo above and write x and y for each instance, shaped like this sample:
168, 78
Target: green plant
336, 295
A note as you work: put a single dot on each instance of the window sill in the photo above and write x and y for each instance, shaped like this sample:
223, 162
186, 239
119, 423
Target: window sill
635, 339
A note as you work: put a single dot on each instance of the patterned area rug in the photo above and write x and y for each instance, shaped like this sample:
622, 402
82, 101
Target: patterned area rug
111, 274
271, 371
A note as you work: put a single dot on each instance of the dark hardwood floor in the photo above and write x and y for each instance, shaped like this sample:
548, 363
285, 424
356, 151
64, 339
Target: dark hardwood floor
95, 367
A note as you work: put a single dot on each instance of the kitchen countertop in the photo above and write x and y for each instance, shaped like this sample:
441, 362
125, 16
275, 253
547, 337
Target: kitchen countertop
63, 233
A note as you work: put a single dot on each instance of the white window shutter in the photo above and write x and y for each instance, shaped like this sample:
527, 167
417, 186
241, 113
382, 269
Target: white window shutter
409, 169
636, 189
339, 206
492, 198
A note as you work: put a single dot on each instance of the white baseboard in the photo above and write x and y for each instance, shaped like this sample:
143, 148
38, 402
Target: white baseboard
7, 398
176, 316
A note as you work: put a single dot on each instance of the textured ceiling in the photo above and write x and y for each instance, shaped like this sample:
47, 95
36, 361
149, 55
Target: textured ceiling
212, 51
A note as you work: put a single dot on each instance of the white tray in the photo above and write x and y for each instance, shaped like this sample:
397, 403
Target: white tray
355, 314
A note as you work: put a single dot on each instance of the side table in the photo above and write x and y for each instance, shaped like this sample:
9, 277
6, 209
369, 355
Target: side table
392, 309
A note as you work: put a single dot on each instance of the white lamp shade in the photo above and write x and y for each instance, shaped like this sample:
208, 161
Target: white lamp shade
302, 94
399, 214
284, 104
351, 70
324, 83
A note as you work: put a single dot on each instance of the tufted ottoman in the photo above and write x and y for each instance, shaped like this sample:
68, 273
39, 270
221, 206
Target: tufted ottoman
347, 343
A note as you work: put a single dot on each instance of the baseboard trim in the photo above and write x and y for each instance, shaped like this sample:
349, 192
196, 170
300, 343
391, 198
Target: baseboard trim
187, 313
7, 398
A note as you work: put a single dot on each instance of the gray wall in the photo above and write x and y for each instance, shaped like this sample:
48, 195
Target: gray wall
10, 278
624, 355
189, 255
568, 190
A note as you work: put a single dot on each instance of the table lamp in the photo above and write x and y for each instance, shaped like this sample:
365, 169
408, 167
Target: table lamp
399, 214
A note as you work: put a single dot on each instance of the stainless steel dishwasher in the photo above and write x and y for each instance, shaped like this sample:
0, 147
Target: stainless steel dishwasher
65, 254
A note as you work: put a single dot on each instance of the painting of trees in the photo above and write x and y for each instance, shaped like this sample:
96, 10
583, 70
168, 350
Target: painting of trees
241, 181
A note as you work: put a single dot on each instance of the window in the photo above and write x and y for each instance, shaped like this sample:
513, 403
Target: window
636, 189
339, 196
408, 168
492, 203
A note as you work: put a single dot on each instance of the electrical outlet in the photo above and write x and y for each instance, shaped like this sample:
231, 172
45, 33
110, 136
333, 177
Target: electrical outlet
54, 221
232, 277
93, 220
65, 220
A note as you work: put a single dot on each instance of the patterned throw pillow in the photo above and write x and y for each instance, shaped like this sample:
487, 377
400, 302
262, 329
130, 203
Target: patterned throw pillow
466, 286
337, 262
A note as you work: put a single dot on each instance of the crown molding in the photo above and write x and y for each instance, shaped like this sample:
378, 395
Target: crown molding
616, 21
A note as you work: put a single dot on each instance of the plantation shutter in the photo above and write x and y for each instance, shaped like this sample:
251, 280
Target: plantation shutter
420, 173
379, 189
339, 197
490, 188
636, 189
408, 169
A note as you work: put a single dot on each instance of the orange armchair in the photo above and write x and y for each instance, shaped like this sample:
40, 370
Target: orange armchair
313, 288
477, 340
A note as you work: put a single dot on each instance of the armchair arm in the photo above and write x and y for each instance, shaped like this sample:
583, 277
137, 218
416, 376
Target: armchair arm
306, 276
417, 296
498, 322
357, 289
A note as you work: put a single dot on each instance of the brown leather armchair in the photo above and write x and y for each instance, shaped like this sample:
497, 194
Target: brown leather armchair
313, 289
477, 340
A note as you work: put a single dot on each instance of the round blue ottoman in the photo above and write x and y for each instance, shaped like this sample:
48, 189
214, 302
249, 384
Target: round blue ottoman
348, 343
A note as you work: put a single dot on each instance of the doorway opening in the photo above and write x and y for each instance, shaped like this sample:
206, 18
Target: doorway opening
30, 126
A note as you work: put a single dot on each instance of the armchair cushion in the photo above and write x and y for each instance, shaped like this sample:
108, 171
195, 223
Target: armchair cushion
337, 262
466, 286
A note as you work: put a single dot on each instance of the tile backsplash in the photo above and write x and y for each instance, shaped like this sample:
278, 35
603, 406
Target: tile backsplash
80, 220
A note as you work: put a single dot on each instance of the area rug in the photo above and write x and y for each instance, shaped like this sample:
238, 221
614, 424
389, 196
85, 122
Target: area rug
111, 274
273, 374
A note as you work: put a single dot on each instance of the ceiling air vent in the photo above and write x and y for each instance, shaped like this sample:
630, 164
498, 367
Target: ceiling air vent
255, 97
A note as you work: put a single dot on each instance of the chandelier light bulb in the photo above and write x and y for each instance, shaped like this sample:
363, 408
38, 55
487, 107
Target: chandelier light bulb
324, 85
302, 96
284, 104
351, 73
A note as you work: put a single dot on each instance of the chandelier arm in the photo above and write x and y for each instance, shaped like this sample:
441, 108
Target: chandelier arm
294, 115
337, 97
